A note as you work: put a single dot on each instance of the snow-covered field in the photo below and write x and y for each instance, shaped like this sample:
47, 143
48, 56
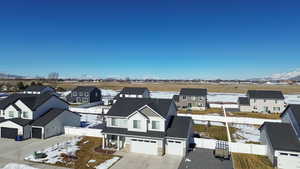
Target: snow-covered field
54, 152
246, 133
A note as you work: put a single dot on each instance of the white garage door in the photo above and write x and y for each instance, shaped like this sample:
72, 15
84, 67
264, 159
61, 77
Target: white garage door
144, 146
175, 147
288, 161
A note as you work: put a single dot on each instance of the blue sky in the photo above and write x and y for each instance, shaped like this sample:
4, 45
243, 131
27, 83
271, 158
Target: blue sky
164, 39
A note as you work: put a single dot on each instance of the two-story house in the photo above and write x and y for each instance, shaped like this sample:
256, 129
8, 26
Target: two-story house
149, 126
38, 89
85, 94
191, 98
262, 101
20, 111
282, 139
132, 92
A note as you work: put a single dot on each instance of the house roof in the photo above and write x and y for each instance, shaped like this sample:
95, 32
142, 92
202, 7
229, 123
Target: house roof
126, 106
282, 136
243, 101
295, 109
2, 119
179, 127
85, 88
193, 91
49, 116
134, 90
36, 88
124, 131
265, 94
19, 121
33, 101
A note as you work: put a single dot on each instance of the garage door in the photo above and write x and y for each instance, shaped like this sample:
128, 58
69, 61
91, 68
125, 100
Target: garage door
36, 132
175, 147
9, 132
288, 161
144, 146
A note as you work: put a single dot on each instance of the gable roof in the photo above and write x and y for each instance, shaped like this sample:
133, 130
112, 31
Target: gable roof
32, 101
243, 101
179, 127
134, 90
19, 121
85, 88
49, 116
295, 109
37, 88
282, 136
126, 106
2, 119
265, 94
193, 92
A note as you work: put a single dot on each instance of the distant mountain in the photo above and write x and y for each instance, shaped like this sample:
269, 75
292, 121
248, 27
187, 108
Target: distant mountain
10, 76
294, 75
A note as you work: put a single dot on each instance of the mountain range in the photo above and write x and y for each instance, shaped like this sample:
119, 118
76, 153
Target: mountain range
293, 75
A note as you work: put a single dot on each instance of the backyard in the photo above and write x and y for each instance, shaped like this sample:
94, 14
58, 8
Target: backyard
213, 132
210, 111
254, 115
247, 161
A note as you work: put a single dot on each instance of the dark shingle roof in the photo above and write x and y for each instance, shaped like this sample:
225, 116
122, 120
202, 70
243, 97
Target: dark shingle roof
2, 119
48, 117
193, 92
134, 90
265, 94
179, 127
243, 101
36, 88
125, 107
282, 136
31, 100
85, 88
19, 121
124, 131
295, 110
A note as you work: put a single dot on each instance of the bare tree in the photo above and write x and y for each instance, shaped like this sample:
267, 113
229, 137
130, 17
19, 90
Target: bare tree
53, 76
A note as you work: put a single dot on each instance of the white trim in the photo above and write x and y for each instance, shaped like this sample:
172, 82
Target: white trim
152, 110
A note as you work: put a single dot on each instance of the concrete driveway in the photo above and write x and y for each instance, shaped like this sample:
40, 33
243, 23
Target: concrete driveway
204, 159
141, 161
14, 152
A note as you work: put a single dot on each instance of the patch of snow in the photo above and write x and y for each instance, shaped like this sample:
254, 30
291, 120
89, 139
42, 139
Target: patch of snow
211, 123
91, 161
247, 132
17, 166
108, 163
54, 152
188, 160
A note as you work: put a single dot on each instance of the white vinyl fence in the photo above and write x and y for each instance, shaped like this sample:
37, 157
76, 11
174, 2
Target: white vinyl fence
91, 110
241, 120
77, 131
233, 147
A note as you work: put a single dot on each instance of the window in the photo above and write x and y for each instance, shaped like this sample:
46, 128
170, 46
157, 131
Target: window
85, 100
80, 93
183, 97
74, 93
86, 93
25, 114
295, 155
284, 154
11, 114
114, 122
155, 125
136, 124
276, 109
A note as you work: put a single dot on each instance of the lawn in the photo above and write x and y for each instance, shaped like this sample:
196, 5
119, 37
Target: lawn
214, 132
79, 154
247, 161
254, 115
202, 112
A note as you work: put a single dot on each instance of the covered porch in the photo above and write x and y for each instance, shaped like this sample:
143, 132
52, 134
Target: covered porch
113, 142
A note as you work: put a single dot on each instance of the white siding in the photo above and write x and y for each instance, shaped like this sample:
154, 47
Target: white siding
259, 104
24, 108
142, 118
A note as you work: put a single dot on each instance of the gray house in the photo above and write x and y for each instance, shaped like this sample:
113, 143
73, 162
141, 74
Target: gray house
148, 126
191, 98
85, 94
262, 101
132, 92
282, 139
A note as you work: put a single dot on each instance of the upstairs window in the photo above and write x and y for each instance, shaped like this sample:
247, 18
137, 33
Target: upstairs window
25, 114
80, 93
86, 93
11, 114
136, 124
74, 93
155, 125
114, 122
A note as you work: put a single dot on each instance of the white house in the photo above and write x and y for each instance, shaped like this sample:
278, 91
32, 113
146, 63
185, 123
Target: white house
282, 139
262, 101
19, 111
148, 126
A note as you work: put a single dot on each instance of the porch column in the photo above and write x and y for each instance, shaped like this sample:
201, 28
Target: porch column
118, 142
103, 142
